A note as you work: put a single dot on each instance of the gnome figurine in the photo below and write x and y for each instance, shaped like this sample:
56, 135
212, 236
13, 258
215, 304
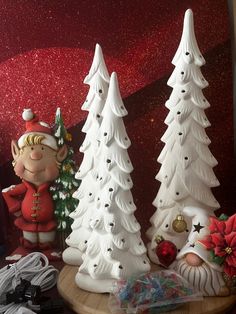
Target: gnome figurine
194, 262
37, 160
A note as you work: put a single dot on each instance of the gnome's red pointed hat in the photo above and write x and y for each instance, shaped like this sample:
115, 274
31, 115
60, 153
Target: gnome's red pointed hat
34, 126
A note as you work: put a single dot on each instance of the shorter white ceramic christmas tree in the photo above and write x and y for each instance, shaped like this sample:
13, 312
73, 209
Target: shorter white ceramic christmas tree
185, 201
115, 249
98, 79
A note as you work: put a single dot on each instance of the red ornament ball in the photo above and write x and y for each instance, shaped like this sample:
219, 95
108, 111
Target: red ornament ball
166, 252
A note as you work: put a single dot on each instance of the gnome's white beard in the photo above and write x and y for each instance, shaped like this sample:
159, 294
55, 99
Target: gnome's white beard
203, 278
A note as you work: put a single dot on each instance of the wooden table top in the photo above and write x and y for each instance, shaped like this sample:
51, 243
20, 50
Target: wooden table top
84, 302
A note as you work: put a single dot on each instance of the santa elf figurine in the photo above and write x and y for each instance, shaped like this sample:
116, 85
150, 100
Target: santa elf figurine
37, 160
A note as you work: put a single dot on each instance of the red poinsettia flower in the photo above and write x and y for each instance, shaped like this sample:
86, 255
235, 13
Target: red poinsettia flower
229, 270
222, 241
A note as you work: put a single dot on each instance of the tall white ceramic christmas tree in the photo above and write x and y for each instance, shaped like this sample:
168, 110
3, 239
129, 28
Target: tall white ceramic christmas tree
115, 249
98, 80
186, 173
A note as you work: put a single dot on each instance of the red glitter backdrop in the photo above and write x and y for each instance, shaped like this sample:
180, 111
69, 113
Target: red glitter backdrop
46, 49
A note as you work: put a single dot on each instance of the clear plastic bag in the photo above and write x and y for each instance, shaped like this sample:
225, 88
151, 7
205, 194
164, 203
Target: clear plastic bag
156, 292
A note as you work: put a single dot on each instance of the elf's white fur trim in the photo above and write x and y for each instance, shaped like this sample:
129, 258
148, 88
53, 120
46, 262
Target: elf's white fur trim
49, 140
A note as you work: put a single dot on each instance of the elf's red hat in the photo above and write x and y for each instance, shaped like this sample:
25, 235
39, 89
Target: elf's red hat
34, 126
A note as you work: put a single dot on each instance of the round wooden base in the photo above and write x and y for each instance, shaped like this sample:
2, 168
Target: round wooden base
84, 302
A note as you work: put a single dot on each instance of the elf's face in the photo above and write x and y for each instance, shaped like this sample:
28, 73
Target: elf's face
38, 164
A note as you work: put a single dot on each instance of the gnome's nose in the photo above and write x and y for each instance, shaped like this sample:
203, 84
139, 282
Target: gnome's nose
36, 155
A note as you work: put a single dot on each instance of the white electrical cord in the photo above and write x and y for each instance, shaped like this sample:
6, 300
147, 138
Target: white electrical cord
34, 268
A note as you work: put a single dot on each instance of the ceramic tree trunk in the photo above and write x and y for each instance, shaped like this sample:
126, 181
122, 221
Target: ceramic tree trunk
185, 201
115, 249
98, 80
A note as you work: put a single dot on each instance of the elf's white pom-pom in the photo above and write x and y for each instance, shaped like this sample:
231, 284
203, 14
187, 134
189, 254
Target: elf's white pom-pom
27, 114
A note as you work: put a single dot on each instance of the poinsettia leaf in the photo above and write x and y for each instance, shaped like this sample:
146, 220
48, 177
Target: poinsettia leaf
231, 240
223, 217
230, 224
220, 251
216, 259
216, 225
207, 242
231, 260
218, 239
229, 270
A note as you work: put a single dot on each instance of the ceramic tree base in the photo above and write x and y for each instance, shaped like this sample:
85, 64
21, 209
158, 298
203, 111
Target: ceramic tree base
85, 282
72, 256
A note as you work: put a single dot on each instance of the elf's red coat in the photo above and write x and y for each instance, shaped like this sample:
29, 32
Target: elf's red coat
37, 209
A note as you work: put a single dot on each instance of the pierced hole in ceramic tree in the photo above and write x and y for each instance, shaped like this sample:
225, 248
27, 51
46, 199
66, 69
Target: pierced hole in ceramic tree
182, 72
108, 161
98, 116
90, 194
180, 133
167, 225
186, 158
187, 53
100, 91
122, 107
130, 202
111, 224
126, 138
85, 241
140, 243
111, 189
182, 91
106, 205
121, 267
178, 112
187, 230
123, 240
95, 265
105, 133
177, 193
144, 262
109, 250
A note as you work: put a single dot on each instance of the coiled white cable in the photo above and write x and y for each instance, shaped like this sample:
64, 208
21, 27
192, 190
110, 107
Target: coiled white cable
34, 268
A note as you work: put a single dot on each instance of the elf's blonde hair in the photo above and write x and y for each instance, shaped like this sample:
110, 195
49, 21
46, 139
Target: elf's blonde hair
33, 139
